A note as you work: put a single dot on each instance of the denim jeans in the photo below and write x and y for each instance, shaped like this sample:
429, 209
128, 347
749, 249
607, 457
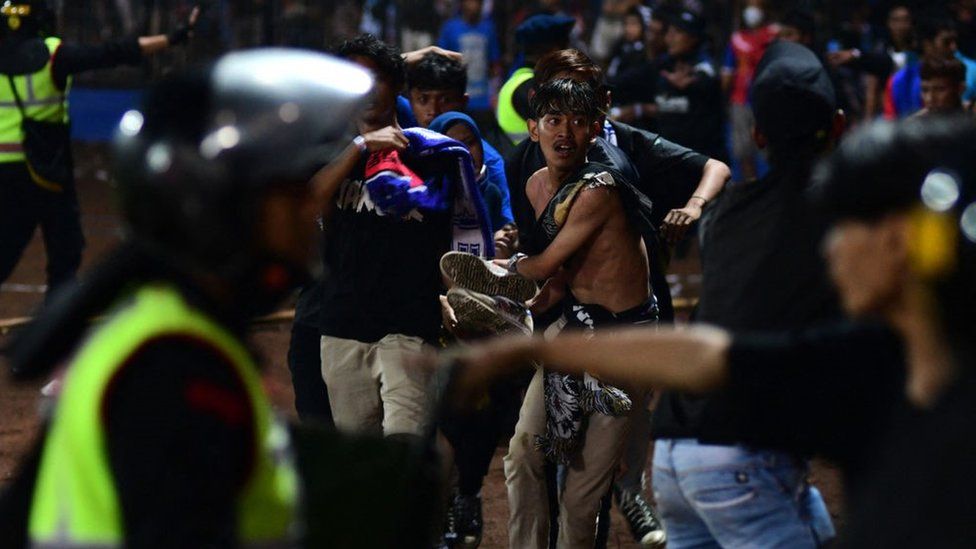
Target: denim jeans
731, 496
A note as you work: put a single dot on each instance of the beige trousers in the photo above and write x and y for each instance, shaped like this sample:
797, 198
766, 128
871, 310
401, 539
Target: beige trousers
370, 388
587, 478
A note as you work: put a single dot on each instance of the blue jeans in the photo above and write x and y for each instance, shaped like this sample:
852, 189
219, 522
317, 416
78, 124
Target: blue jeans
731, 496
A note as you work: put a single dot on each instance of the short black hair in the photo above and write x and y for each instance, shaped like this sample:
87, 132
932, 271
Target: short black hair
388, 60
565, 96
437, 72
879, 169
951, 69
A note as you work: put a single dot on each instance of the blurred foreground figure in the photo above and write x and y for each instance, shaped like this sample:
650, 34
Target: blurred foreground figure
36, 180
890, 396
162, 435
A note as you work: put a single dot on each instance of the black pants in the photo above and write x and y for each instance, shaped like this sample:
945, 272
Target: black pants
305, 363
474, 435
23, 206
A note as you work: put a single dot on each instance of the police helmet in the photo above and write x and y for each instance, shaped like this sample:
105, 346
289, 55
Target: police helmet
193, 164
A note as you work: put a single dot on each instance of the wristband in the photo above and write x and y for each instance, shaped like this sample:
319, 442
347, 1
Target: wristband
513, 262
702, 198
360, 143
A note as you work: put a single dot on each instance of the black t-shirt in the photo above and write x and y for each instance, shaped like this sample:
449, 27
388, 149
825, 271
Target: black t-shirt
384, 275
693, 116
667, 173
839, 391
761, 270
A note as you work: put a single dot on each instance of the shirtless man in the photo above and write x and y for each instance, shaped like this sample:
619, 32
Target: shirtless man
593, 255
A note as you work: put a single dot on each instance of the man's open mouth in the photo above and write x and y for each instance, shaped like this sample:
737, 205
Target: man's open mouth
564, 148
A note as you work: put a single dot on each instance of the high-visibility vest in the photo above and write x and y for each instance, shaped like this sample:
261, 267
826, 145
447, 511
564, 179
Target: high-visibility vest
75, 501
41, 98
508, 119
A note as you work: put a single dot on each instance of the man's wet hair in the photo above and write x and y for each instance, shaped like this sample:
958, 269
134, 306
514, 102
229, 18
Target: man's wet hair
565, 96
571, 61
389, 62
437, 72
951, 69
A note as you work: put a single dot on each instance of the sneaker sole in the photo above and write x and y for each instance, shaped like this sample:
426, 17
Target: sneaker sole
656, 539
469, 271
477, 316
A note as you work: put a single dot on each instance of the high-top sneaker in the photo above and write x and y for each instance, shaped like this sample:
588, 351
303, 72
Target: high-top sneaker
643, 521
468, 521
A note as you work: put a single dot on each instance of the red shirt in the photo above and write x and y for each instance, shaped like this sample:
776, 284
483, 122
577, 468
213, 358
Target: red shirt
746, 48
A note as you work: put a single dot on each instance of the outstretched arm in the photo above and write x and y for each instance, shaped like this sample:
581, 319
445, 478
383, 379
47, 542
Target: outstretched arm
691, 360
714, 177
72, 59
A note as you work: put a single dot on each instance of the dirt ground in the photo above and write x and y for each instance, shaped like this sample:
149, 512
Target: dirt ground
20, 404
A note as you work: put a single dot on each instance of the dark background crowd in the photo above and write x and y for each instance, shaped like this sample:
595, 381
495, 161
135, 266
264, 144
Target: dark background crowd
865, 44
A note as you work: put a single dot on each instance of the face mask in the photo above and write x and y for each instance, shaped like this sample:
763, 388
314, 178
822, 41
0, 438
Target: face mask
752, 16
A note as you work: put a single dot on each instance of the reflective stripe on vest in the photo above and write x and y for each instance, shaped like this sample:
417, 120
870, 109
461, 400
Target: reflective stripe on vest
508, 119
41, 98
75, 502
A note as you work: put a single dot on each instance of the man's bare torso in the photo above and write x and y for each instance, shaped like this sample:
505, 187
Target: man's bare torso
611, 268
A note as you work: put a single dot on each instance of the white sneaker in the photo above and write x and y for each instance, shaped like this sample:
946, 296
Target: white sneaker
483, 314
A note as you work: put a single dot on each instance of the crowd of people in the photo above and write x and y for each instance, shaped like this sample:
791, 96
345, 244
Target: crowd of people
519, 225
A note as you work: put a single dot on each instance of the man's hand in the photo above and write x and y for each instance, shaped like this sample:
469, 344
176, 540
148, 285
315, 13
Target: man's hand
448, 318
412, 57
681, 77
385, 138
843, 57
506, 241
184, 31
678, 221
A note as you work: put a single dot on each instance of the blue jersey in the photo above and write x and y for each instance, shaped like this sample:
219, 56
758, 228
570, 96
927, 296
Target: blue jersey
479, 44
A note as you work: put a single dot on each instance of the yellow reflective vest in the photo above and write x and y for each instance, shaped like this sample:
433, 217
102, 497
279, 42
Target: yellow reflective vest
75, 502
41, 98
508, 119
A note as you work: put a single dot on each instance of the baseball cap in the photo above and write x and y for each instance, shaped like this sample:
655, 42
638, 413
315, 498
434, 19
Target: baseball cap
544, 28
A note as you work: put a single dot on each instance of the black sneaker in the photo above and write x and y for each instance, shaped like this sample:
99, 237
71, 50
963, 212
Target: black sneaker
469, 271
468, 522
644, 525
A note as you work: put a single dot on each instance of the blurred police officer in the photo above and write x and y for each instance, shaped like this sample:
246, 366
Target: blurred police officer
36, 74
162, 435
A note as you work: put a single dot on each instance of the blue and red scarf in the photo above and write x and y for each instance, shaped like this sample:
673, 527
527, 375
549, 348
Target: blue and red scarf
433, 173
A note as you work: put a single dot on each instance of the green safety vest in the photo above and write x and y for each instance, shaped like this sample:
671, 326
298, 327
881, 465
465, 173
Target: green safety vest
75, 502
41, 98
509, 120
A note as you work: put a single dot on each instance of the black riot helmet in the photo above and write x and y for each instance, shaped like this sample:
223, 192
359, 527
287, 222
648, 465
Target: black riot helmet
195, 163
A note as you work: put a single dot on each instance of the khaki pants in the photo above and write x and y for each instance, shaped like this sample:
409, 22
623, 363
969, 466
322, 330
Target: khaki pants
587, 479
370, 389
